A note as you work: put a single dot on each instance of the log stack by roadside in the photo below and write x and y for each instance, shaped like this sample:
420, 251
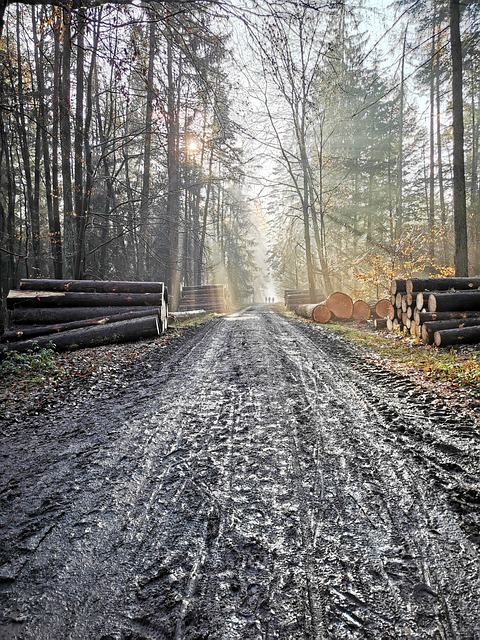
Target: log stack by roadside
80, 313
295, 297
441, 311
340, 306
209, 297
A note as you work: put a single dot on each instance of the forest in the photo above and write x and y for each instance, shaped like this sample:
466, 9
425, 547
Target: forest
265, 145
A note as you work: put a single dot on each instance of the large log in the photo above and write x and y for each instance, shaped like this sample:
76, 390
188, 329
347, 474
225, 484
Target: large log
340, 304
441, 284
457, 301
126, 331
33, 331
17, 299
427, 316
361, 311
383, 308
56, 315
449, 337
317, 312
429, 328
92, 286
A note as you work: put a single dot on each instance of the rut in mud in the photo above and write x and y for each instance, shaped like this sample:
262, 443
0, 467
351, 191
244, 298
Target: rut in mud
261, 483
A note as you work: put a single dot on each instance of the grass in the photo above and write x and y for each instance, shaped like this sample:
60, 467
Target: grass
460, 367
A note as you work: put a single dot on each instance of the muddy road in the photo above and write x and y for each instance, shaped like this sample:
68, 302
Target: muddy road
261, 482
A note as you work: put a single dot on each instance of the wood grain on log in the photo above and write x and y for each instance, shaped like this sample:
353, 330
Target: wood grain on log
340, 304
383, 308
361, 311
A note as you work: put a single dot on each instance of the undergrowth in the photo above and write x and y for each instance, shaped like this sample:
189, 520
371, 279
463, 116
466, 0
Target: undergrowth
460, 367
33, 366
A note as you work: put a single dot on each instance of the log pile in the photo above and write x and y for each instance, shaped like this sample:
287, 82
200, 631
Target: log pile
209, 297
295, 297
441, 311
340, 306
72, 314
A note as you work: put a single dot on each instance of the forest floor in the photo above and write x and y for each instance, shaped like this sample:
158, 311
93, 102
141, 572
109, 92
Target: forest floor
254, 476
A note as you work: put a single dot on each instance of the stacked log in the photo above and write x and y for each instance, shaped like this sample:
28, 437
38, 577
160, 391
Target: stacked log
317, 312
79, 313
295, 297
209, 297
401, 311
440, 311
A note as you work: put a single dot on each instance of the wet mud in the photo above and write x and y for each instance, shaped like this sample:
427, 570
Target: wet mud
263, 481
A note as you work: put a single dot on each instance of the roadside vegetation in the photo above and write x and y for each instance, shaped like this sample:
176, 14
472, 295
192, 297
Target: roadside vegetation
41, 366
458, 366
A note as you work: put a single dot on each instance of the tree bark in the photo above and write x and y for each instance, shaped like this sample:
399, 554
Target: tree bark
458, 301
459, 196
448, 337
61, 315
361, 311
33, 331
442, 284
67, 299
429, 328
93, 286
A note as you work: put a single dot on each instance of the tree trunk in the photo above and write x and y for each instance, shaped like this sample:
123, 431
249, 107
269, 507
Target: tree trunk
459, 197
56, 229
66, 144
399, 198
79, 151
441, 188
173, 194
32, 220
431, 179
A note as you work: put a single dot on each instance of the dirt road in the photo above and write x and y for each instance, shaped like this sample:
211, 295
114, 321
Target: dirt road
262, 482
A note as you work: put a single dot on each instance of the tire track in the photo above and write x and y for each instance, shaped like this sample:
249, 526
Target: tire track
261, 484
